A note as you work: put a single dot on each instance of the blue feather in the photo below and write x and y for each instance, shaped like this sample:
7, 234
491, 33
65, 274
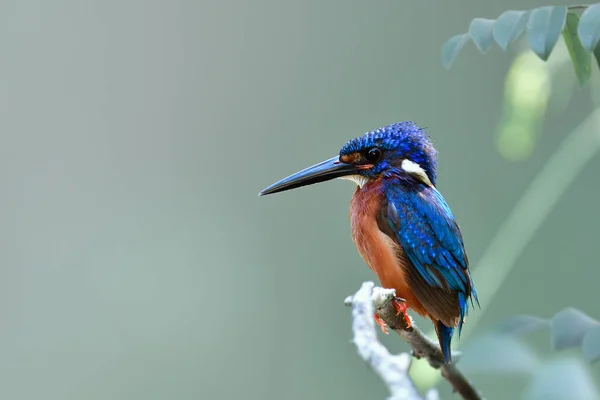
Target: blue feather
429, 235
445, 338
400, 138
425, 228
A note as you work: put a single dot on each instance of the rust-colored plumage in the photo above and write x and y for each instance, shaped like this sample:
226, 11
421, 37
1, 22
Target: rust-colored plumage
379, 251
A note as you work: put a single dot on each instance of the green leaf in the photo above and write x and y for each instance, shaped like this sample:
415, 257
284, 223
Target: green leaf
543, 29
568, 328
521, 324
494, 354
451, 48
509, 26
560, 380
582, 60
481, 33
591, 345
597, 54
589, 27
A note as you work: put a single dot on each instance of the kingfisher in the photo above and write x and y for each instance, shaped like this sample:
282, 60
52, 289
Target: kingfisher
401, 225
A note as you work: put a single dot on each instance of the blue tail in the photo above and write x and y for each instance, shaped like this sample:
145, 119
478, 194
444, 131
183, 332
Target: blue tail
444, 335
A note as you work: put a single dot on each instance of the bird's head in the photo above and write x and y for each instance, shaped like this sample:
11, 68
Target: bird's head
401, 150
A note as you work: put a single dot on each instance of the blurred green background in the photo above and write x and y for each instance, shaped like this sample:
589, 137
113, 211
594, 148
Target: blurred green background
138, 261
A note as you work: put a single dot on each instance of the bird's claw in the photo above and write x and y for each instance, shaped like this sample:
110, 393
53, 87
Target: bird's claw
381, 324
401, 307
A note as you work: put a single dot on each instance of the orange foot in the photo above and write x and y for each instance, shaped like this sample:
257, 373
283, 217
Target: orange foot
401, 307
381, 324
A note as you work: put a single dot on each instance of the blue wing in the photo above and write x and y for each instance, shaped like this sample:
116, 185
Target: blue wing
422, 223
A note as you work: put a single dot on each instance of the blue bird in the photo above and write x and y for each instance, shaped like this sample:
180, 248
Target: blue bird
401, 224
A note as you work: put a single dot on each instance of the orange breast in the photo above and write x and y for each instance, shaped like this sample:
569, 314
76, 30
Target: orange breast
378, 250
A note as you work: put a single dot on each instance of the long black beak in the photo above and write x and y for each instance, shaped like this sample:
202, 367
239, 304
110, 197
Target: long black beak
321, 172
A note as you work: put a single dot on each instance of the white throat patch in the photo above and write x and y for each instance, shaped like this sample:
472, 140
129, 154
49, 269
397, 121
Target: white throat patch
358, 179
415, 170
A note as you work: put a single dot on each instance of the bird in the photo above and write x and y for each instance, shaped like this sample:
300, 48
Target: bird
401, 224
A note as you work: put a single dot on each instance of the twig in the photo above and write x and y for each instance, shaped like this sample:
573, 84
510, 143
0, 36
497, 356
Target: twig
422, 346
393, 370
578, 7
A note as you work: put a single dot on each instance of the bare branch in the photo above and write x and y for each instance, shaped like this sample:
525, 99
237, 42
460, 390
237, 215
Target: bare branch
392, 369
422, 346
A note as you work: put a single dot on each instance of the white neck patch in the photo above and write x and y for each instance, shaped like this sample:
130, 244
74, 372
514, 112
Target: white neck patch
415, 170
358, 179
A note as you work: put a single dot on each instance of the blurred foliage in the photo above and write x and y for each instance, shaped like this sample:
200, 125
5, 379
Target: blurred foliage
533, 77
569, 328
561, 380
503, 352
526, 92
544, 26
501, 355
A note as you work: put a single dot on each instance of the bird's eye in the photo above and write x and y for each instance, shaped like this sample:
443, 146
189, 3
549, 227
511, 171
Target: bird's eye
373, 154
